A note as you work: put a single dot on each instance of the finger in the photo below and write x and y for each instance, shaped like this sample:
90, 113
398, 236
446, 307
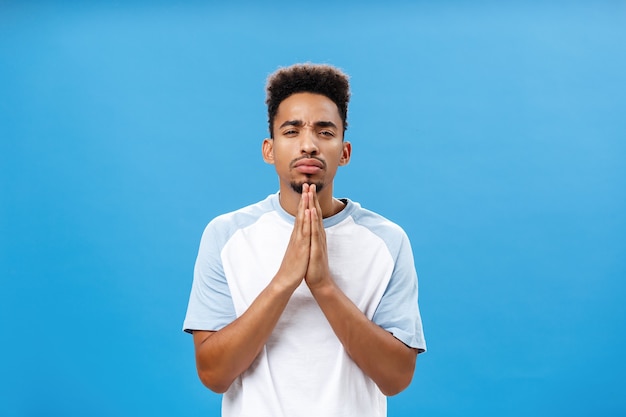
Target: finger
306, 227
317, 225
315, 220
315, 202
317, 254
302, 206
311, 194
306, 212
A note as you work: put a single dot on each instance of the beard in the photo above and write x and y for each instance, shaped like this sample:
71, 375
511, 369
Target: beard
297, 187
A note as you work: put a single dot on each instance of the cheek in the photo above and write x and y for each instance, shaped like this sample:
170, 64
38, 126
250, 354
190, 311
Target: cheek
281, 161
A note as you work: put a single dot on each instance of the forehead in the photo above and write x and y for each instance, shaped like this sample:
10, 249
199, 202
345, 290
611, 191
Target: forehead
308, 107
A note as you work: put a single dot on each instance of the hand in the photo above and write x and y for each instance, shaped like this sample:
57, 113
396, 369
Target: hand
296, 260
318, 272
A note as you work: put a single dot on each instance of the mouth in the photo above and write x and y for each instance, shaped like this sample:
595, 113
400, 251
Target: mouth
308, 165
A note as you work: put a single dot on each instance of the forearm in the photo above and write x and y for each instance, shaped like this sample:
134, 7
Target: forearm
385, 359
223, 355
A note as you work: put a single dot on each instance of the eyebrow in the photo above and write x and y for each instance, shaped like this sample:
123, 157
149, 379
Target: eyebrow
300, 123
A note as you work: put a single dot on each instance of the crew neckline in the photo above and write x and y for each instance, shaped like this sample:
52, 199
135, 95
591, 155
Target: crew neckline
328, 221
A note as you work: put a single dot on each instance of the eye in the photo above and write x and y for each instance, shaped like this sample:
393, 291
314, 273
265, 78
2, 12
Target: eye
290, 132
327, 133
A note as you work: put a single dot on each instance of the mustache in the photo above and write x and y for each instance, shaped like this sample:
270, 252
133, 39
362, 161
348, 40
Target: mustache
295, 161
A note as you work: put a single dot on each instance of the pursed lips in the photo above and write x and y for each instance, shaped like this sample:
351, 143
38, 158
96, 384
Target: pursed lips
308, 165
308, 162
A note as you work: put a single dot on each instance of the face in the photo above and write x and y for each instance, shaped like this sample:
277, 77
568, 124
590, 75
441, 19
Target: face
308, 143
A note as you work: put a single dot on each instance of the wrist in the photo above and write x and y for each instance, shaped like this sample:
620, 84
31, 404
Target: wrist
281, 287
322, 288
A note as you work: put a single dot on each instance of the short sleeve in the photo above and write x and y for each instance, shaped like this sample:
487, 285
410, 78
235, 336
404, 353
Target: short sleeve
398, 311
210, 304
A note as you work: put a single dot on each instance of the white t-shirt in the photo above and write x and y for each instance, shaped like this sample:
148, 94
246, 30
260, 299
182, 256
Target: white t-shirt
303, 369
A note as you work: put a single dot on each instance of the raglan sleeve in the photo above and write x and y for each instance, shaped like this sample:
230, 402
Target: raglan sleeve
398, 311
210, 304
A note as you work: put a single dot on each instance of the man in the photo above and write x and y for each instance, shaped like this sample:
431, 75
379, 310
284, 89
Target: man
304, 304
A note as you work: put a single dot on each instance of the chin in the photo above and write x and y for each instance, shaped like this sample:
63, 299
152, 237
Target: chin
297, 186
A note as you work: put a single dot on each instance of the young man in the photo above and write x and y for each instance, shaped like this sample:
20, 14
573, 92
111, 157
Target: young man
304, 304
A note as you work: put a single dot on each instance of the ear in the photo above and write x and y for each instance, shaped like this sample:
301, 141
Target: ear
345, 153
267, 150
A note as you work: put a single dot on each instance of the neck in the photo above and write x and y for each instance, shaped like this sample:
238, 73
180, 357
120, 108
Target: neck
289, 200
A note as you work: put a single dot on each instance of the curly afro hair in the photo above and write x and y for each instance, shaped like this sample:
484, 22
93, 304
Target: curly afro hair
310, 78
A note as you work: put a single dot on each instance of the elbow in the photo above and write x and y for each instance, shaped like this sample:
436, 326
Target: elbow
214, 383
396, 385
399, 380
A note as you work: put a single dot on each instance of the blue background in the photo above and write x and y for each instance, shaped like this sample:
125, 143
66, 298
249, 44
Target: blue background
494, 133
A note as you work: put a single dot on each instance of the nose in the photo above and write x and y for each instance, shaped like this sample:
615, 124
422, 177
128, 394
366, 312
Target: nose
308, 143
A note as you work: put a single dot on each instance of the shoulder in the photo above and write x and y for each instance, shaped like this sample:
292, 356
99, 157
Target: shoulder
391, 233
222, 227
375, 222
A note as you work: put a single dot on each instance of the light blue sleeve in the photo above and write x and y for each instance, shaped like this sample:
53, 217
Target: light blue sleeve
210, 304
398, 311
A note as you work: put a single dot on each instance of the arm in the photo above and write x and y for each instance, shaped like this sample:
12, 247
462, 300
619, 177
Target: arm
385, 359
221, 356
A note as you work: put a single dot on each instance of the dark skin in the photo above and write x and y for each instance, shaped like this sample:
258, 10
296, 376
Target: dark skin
223, 355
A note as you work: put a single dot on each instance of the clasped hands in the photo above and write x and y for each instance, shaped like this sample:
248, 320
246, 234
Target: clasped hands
306, 256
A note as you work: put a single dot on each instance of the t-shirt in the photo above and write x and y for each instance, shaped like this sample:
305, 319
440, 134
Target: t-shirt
303, 369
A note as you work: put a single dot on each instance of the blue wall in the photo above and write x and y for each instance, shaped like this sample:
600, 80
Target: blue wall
494, 134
